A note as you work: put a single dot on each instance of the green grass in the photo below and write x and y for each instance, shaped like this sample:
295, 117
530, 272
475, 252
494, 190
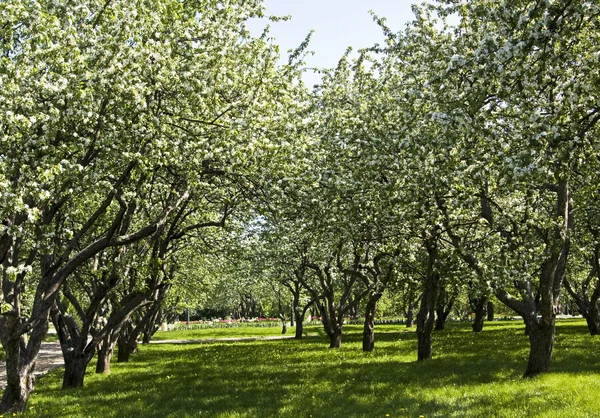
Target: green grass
472, 375
232, 332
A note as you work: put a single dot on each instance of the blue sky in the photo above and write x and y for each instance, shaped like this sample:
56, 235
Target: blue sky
337, 25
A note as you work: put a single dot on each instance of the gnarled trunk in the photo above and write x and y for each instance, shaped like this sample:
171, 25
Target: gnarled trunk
332, 326
541, 342
300, 315
105, 353
444, 305
75, 367
20, 364
104, 359
126, 342
21, 356
368, 340
480, 305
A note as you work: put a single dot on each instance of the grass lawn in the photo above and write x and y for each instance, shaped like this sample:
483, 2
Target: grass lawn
230, 332
472, 375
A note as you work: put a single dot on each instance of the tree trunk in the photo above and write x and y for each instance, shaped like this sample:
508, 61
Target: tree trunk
368, 341
444, 304
105, 353
104, 359
541, 340
75, 367
20, 360
299, 330
490, 311
440, 320
426, 315
126, 343
425, 322
299, 323
593, 325
477, 325
283, 325
593, 320
19, 372
480, 312
125, 349
335, 338
410, 316
300, 314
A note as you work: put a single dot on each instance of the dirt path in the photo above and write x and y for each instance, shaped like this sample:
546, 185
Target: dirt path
51, 358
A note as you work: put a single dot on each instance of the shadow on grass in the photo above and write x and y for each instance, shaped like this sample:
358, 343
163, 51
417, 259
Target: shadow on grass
470, 375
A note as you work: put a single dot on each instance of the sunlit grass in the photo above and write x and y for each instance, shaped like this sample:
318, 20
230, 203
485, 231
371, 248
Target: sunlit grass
472, 375
232, 332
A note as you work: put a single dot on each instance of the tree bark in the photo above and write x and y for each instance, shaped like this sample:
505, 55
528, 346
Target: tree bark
283, 324
75, 368
20, 365
541, 340
300, 314
444, 305
410, 315
480, 313
299, 322
426, 315
425, 322
368, 341
588, 305
335, 338
104, 359
490, 311
126, 343
105, 353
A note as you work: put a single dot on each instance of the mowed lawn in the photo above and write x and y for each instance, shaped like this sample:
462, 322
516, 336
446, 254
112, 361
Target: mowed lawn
472, 375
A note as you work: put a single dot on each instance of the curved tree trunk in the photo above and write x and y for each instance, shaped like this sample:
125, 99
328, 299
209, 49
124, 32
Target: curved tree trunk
588, 305
126, 342
368, 341
541, 339
593, 321
20, 363
300, 315
283, 324
75, 368
105, 353
480, 313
